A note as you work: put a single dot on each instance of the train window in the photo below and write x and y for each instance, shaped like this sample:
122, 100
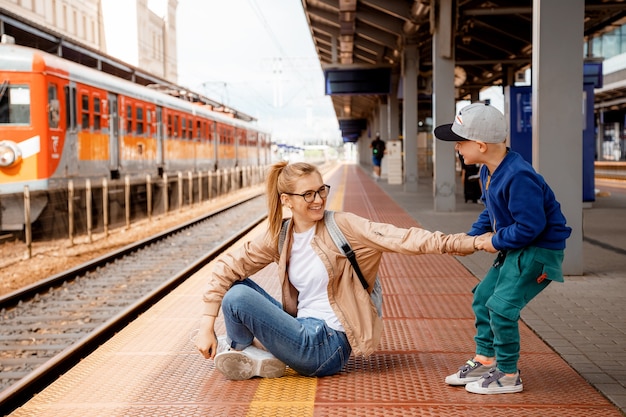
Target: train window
70, 106
150, 129
54, 107
210, 132
14, 104
198, 129
176, 126
85, 111
96, 112
129, 119
169, 125
190, 129
139, 111
184, 128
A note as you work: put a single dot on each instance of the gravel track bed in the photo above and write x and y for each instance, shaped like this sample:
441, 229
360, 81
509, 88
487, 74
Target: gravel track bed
36, 330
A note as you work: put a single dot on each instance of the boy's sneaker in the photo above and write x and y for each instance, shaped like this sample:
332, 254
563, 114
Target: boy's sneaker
471, 371
238, 365
496, 382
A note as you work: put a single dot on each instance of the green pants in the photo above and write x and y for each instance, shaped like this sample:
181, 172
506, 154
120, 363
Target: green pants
512, 281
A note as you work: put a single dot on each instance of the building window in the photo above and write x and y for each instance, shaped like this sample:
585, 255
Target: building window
54, 12
75, 22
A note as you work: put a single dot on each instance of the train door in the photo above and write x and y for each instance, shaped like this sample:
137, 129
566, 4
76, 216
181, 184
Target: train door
159, 138
216, 143
55, 124
71, 133
114, 135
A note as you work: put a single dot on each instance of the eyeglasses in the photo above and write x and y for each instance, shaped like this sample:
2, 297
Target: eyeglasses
309, 196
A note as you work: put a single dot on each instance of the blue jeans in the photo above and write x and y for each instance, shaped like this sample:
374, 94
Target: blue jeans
306, 345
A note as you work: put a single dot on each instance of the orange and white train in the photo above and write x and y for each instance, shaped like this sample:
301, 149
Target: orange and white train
60, 120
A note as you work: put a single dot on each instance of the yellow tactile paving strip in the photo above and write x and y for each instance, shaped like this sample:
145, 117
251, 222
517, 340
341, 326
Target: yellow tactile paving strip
152, 369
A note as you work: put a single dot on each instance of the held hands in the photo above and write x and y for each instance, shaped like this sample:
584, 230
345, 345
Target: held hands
483, 242
462, 244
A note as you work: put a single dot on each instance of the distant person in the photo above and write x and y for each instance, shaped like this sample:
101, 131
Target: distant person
322, 314
378, 152
529, 232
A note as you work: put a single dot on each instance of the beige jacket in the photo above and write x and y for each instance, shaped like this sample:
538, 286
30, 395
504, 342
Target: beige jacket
349, 300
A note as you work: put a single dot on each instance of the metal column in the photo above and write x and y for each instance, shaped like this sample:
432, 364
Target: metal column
444, 181
557, 83
410, 64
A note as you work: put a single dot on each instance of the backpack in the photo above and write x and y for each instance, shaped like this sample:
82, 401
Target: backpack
340, 241
379, 147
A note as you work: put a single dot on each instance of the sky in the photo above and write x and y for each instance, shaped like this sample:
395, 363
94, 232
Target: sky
258, 57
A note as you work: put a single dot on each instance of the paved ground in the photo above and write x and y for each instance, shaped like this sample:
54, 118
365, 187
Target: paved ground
584, 319
427, 330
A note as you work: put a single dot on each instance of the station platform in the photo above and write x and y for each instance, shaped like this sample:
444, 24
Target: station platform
152, 367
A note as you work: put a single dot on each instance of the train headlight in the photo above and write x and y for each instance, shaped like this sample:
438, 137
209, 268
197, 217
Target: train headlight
10, 153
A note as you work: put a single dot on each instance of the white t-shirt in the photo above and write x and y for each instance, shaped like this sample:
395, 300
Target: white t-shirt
308, 275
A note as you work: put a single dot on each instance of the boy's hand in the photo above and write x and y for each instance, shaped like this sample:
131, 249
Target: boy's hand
483, 242
461, 244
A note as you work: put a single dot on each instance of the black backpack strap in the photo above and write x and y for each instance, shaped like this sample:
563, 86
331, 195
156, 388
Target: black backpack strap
283, 234
342, 243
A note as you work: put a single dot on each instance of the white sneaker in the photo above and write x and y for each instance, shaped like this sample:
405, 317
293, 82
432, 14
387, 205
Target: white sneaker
238, 365
496, 382
222, 344
470, 371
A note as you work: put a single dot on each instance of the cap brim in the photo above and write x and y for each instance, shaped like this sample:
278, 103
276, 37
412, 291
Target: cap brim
444, 132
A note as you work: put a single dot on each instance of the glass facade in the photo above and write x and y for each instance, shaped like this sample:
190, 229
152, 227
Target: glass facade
610, 44
611, 122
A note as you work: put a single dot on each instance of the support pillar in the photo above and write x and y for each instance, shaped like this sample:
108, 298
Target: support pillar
383, 129
393, 110
410, 63
557, 119
444, 181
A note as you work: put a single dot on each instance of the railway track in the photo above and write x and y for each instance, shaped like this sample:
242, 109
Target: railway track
50, 326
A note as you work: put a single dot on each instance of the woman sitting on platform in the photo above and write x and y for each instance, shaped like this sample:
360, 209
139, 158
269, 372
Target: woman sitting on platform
325, 311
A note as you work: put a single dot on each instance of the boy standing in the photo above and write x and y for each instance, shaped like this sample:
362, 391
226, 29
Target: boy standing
529, 232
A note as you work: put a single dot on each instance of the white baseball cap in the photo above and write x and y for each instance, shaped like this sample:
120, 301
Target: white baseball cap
477, 122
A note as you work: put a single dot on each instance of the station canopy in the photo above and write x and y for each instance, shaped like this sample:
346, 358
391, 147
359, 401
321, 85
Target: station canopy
492, 46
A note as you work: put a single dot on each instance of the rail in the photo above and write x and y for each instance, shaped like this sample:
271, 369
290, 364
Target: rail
241, 218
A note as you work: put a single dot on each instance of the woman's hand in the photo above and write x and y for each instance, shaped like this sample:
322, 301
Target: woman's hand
206, 341
483, 242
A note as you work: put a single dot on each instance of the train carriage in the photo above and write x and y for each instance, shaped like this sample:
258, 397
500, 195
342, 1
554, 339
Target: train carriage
60, 120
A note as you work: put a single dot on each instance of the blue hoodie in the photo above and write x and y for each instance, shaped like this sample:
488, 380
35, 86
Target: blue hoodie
520, 208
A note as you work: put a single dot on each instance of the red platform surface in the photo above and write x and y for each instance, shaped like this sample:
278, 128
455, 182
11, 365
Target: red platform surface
151, 368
